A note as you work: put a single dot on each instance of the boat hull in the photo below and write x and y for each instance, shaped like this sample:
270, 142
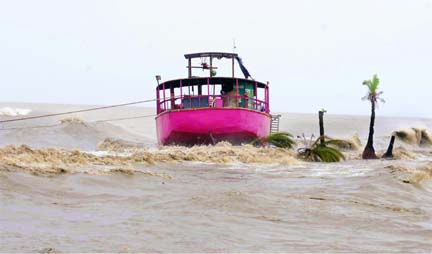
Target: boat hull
211, 125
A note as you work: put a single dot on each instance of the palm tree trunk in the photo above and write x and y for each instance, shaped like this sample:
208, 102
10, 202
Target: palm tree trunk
369, 151
389, 153
321, 126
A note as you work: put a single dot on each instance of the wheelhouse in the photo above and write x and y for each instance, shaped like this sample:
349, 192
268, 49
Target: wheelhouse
212, 91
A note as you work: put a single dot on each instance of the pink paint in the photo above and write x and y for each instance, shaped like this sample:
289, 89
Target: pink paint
209, 125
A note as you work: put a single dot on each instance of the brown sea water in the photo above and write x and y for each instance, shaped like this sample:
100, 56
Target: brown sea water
84, 186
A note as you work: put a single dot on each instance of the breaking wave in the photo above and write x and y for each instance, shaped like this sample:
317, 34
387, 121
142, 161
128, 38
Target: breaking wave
70, 133
50, 161
415, 136
349, 144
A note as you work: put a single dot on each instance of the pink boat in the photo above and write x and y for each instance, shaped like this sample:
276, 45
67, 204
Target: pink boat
207, 110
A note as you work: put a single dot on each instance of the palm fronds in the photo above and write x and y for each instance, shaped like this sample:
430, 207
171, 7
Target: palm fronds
281, 139
318, 151
372, 84
373, 94
278, 139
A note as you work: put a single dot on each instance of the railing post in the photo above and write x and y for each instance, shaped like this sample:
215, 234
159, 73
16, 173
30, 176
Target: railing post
181, 94
237, 94
172, 97
268, 99
163, 88
157, 100
208, 92
256, 95
190, 98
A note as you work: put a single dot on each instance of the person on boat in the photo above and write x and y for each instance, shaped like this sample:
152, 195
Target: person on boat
228, 95
231, 99
261, 107
246, 97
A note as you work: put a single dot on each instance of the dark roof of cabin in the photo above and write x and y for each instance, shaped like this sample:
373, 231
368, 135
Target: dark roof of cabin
203, 81
211, 54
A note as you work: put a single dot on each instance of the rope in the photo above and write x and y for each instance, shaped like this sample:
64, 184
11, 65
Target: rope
96, 121
121, 119
75, 111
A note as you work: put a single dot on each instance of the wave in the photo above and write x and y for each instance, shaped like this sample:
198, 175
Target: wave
415, 136
119, 145
8, 111
52, 161
69, 133
350, 144
412, 175
401, 153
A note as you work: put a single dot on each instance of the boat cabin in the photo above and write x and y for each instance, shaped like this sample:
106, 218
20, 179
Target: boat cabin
211, 91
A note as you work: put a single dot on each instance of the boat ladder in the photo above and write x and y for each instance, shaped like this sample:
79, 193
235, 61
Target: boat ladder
274, 126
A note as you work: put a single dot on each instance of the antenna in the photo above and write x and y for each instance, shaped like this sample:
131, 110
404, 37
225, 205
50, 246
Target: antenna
158, 78
234, 45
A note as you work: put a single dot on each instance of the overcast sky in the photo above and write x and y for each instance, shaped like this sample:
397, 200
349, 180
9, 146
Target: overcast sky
314, 53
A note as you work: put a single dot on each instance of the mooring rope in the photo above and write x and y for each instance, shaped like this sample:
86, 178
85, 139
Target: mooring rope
59, 124
75, 111
121, 119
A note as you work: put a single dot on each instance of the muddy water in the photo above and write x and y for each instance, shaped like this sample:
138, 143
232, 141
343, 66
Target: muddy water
125, 198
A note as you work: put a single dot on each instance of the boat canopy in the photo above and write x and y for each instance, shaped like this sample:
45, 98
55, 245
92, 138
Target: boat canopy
207, 80
210, 67
217, 55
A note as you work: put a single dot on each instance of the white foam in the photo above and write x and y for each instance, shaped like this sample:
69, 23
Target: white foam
8, 111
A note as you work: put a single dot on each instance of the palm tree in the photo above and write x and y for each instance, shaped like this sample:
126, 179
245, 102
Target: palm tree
320, 150
373, 95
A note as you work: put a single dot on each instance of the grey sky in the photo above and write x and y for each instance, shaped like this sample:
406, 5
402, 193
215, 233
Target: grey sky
314, 53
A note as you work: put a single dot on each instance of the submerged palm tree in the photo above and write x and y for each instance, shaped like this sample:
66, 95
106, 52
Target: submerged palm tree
373, 95
320, 150
278, 139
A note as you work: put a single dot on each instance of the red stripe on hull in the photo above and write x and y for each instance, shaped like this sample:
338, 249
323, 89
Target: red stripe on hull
209, 125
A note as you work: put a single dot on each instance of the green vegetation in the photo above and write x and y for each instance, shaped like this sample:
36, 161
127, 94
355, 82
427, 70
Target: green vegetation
278, 139
373, 95
321, 151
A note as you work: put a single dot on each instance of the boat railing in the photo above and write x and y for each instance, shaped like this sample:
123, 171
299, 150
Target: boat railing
185, 102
